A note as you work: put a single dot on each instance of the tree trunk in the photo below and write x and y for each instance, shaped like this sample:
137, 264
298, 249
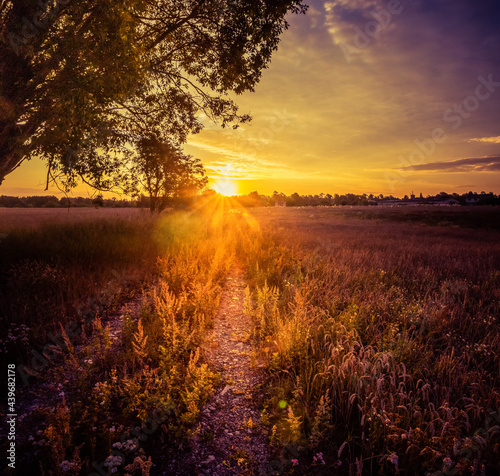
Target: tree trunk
153, 204
10, 156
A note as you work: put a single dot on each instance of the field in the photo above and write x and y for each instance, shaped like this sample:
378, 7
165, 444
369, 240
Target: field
12, 218
377, 330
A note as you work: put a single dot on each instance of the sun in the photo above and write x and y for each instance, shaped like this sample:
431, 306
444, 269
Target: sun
225, 187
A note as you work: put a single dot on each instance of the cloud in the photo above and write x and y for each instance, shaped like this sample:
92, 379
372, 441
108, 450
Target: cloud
493, 140
468, 165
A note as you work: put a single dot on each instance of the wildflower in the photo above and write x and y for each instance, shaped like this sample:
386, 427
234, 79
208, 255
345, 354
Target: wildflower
447, 462
112, 462
112, 429
117, 445
295, 462
67, 466
393, 458
129, 445
319, 458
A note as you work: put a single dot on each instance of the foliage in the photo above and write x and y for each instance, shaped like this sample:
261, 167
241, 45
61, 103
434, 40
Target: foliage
163, 171
80, 80
254, 199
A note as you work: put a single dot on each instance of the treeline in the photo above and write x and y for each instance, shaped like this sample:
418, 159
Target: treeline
50, 201
254, 199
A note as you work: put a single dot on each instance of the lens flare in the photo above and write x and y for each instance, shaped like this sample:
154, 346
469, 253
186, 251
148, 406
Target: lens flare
225, 187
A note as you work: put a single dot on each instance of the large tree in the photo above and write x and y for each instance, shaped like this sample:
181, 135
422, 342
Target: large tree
81, 80
164, 172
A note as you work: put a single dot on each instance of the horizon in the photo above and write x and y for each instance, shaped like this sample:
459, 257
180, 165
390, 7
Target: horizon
111, 196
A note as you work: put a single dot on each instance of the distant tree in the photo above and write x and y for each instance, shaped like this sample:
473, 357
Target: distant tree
10, 202
98, 201
254, 199
164, 171
278, 197
39, 201
52, 202
295, 200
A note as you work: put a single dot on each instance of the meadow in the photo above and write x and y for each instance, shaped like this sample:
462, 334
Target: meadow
379, 335
383, 337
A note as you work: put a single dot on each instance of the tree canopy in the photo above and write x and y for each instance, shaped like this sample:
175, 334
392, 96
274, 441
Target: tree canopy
82, 80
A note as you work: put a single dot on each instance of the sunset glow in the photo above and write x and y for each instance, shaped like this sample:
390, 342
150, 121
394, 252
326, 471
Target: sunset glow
224, 187
359, 99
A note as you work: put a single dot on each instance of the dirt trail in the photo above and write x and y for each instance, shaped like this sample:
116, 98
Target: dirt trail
228, 443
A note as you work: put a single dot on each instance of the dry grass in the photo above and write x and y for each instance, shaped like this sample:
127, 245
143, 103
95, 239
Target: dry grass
383, 338
11, 218
91, 396
380, 336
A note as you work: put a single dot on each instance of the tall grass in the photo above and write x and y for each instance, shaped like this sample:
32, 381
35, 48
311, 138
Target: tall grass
100, 385
383, 342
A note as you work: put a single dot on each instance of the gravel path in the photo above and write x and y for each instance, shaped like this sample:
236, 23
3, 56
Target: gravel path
231, 440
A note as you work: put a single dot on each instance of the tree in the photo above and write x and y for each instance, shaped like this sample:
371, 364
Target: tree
98, 201
164, 171
80, 81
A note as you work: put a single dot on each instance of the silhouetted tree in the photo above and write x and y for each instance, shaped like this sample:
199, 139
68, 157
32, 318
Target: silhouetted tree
98, 201
80, 80
164, 171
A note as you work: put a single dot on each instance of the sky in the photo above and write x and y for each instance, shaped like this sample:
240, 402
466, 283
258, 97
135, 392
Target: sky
363, 96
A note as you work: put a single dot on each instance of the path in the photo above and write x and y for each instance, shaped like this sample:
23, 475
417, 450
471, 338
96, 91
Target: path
229, 443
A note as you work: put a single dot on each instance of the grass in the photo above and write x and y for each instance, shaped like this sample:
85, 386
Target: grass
93, 394
380, 338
